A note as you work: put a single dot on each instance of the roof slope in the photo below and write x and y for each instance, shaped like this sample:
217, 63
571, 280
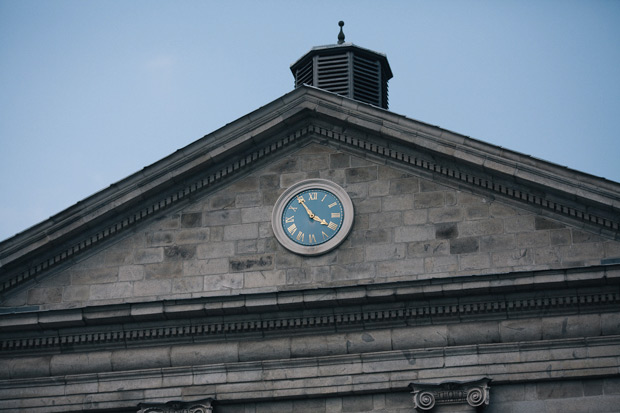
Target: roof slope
586, 201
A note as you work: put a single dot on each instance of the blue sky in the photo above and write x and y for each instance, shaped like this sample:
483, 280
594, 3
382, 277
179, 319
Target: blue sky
93, 91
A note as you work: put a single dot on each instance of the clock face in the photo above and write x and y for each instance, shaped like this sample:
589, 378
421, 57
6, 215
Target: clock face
312, 217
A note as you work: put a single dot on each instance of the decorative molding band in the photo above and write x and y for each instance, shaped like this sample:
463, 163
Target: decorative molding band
472, 179
339, 319
473, 393
199, 406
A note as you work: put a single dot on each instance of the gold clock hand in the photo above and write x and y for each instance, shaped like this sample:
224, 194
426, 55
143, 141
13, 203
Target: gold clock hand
322, 221
303, 203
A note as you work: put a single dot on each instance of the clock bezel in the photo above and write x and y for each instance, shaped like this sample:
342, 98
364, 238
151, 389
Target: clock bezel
293, 190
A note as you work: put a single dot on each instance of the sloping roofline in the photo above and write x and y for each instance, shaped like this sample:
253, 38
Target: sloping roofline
304, 112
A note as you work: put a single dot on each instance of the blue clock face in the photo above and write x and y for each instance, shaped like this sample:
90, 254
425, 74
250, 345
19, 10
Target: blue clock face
312, 217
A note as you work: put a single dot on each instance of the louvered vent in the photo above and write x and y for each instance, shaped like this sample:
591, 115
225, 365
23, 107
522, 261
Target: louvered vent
347, 70
333, 73
304, 75
367, 81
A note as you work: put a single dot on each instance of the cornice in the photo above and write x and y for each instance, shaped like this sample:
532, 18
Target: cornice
524, 295
252, 140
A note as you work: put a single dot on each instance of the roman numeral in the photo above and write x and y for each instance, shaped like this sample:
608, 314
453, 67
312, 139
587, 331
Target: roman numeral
333, 204
313, 196
300, 236
335, 214
312, 239
289, 220
332, 226
292, 229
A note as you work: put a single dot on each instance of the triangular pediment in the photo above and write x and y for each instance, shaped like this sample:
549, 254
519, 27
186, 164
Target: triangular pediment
429, 203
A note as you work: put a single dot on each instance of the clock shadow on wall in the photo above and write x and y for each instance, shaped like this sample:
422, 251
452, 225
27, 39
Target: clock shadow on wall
312, 217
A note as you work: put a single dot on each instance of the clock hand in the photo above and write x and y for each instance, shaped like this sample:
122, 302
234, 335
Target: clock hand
322, 221
303, 203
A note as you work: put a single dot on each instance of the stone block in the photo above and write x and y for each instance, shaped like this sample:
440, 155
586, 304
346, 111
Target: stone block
586, 325
414, 233
72, 293
148, 255
519, 223
385, 219
131, 273
257, 214
205, 267
397, 268
491, 226
48, 295
397, 202
446, 231
241, 231
532, 239
215, 250
179, 252
151, 287
520, 330
473, 333
219, 282
81, 363
339, 160
428, 248
416, 217
519, 257
497, 242
464, 245
419, 337
367, 341
95, 276
266, 349
204, 354
429, 200
110, 291
318, 345
191, 220
559, 390
159, 238
401, 186
258, 279
438, 264
474, 261
386, 252
164, 270
356, 404
252, 263
140, 358
193, 236
542, 223
187, 285
222, 217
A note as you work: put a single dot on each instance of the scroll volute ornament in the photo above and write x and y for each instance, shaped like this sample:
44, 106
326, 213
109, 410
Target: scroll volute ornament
473, 393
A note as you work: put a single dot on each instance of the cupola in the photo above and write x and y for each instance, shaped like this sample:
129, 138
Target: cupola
346, 69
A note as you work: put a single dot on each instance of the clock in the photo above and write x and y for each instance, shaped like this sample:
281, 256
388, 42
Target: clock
312, 217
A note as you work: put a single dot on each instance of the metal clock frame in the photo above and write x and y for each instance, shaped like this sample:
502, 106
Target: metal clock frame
311, 250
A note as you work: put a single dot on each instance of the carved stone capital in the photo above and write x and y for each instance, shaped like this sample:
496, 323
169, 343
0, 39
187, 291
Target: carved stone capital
198, 406
473, 393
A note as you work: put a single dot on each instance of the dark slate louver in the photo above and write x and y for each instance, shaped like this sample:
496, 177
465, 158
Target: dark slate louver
346, 69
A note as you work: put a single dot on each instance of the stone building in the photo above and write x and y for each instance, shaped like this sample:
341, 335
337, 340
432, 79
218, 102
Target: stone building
443, 274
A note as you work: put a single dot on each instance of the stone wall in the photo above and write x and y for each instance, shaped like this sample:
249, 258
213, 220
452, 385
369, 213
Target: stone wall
406, 227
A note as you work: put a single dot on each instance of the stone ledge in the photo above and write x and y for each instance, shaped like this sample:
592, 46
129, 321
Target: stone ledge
321, 376
310, 298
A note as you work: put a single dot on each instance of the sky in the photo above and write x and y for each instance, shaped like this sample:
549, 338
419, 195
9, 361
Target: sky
93, 91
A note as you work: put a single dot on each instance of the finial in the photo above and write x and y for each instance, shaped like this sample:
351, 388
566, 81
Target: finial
341, 34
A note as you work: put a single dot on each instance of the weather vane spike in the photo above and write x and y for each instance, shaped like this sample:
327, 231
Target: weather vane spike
341, 34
